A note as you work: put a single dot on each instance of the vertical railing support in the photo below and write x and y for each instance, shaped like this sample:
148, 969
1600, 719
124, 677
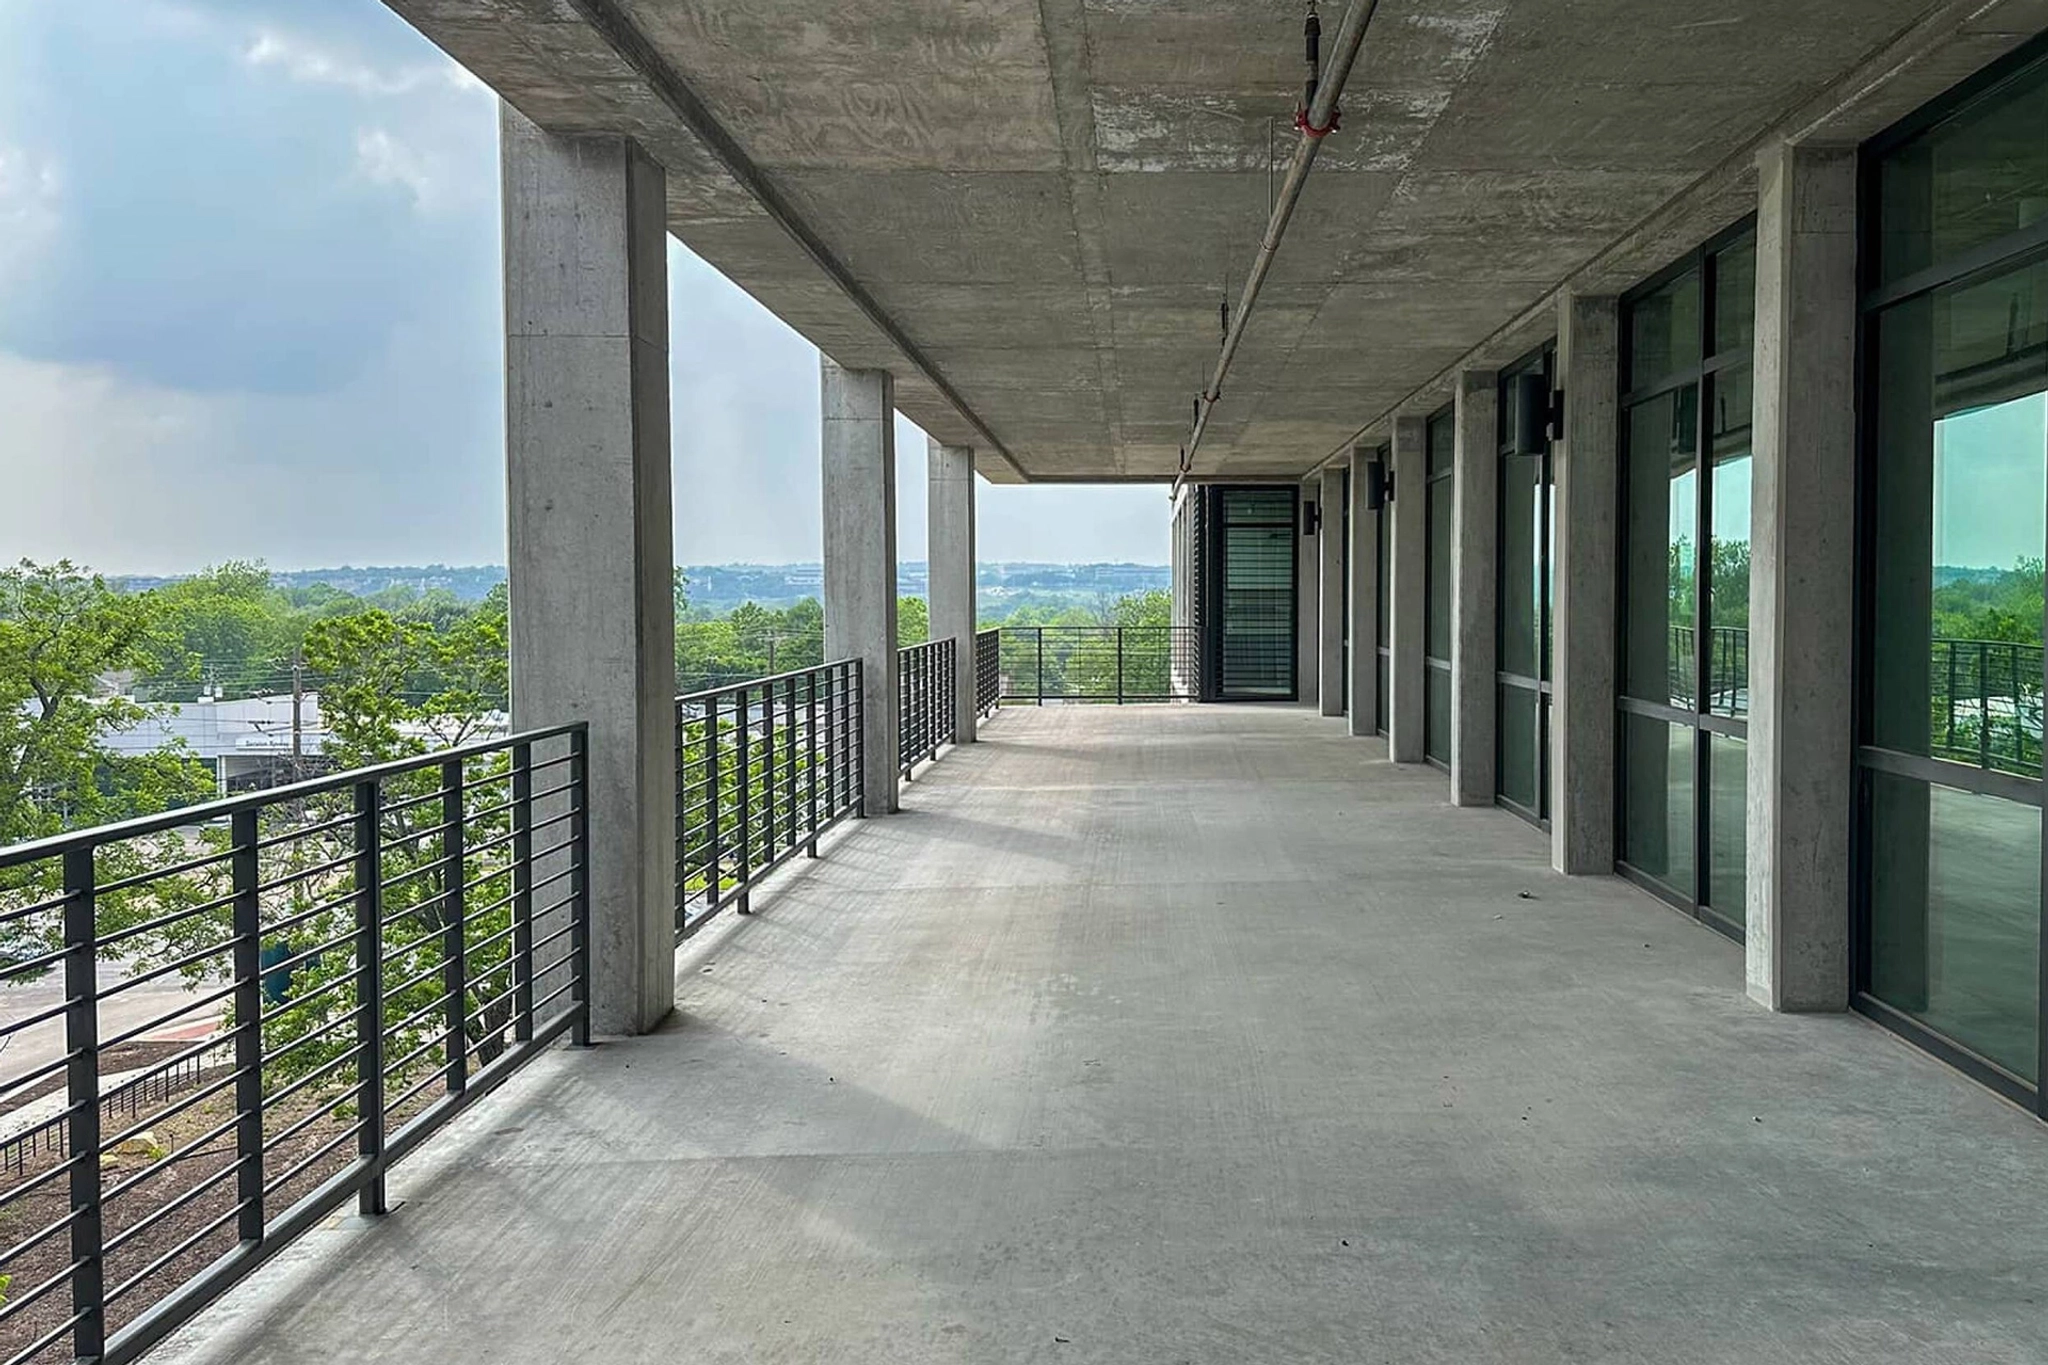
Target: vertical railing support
1040, 633
82, 1077
714, 884
369, 906
860, 752
454, 911
522, 892
745, 723
244, 867
812, 750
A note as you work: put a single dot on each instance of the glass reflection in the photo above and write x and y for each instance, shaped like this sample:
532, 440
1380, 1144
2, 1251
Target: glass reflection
1660, 539
1727, 827
1728, 573
1956, 915
1664, 331
1657, 811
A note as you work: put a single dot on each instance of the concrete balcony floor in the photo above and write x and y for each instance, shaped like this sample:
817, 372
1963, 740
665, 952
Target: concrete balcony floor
1196, 1034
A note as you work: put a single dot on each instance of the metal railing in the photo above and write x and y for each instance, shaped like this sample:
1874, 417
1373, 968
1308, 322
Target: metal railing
762, 769
371, 950
1114, 664
1986, 704
925, 714
988, 671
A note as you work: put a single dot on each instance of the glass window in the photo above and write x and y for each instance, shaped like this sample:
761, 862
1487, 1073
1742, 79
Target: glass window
1974, 179
1440, 439
1662, 504
1437, 634
1664, 332
1436, 729
1657, 807
1956, 915
1258, 592
1520, 780
1521, 534
1962, 522
1735, 297
1727, 827
1728, 568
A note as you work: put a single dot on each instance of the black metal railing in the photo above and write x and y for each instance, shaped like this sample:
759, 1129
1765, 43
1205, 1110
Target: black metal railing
988, 671
1113, 664
360, 955
1986, 704
762, 769
925, 701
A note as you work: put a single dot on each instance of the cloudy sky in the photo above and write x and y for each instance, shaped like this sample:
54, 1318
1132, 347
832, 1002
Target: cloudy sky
249, 308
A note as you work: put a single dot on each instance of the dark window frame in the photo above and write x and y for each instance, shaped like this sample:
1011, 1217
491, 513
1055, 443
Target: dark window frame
1433, 663
1700, 719
1542, 359
2027, 246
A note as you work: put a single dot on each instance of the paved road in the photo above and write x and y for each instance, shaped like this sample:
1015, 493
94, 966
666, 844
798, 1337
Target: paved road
23, 1052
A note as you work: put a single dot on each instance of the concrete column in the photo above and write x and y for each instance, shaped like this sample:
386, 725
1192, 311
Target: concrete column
949, 507
1308, 579
1365, 592
590, 524
1584, 464
1408, 562
1330, 594
1474, 588
860, 558
1802, 579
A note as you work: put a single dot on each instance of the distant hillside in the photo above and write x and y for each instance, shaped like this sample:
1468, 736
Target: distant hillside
718, 588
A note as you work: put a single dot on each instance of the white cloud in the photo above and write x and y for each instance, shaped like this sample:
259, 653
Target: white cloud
383, 160
310, 64
30, 192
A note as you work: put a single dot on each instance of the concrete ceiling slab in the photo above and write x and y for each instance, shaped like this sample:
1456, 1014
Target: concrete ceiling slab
1031, 210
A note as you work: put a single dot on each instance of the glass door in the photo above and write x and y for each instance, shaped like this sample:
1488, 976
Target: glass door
1440, 439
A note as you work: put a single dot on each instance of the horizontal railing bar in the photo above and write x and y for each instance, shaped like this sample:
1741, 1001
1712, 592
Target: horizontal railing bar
162, 922
108, 1044
112, 1295
41, 850
306, 873
159, 873
751, 684
149, 1220
293, 836
156, 1116
313, 1158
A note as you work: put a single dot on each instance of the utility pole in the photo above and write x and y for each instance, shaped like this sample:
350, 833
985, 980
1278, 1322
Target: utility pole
298, 718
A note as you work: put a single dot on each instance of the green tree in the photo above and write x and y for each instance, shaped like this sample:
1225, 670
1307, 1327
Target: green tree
913, 621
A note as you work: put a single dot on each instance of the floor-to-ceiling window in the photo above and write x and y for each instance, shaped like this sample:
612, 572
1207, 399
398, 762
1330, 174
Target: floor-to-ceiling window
1687, 343
1439, 444
1250, 637
1522, 721
1383, 459
1955, 516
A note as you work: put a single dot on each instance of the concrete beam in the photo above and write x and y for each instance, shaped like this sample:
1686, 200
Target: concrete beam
949, 511
1407, 602
1365, 592
1802, 580
1332, 548
1474, 587
1585, 465
590, 518
859, 450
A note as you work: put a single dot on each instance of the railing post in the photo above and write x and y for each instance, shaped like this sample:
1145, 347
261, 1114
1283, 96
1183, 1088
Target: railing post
369, 899
1983, 705
82, 1076
714, 883
522, 892
244, 866
1119, 665
857, 736
579, 882
745, 722
1040, 633
768, 842
811, 752
454, 910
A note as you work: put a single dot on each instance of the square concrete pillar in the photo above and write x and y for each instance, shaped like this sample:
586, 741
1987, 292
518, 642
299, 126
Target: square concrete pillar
1308, 578
859, 439
1365, 594
1330, 594
1585, 466
591, 553
949, 511
1802, 583
1474, 531
1407, 600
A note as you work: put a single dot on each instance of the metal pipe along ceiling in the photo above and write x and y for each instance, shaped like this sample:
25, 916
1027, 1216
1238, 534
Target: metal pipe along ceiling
1350, 34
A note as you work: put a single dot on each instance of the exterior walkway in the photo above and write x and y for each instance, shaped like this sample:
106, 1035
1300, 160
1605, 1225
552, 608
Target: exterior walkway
1196, 1034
